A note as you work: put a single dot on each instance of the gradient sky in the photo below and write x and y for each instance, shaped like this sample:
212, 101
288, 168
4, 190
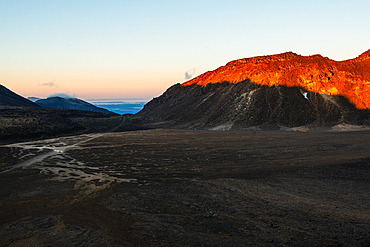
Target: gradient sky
137, 49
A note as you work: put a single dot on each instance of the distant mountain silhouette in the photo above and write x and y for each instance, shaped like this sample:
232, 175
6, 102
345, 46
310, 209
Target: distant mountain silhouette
9, 98
69, 103
270, 91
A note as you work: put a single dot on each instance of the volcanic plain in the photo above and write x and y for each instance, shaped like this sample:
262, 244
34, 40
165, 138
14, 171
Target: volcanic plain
173, 187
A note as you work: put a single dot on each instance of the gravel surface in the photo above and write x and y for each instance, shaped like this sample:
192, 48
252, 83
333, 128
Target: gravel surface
189, 188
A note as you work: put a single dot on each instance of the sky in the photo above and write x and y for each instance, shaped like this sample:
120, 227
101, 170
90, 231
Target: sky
137, 49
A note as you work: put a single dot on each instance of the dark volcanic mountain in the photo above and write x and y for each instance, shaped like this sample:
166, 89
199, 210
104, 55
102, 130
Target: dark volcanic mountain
275, 96
69, 103
9, 98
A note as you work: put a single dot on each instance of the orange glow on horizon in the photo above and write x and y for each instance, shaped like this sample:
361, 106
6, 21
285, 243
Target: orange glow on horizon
91, 87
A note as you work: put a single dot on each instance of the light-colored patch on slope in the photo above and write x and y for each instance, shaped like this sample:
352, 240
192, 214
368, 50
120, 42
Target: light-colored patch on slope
349, 127
329, 98
226, 126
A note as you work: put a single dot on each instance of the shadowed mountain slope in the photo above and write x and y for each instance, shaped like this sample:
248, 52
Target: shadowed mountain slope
245, 104
69, 103
9, 98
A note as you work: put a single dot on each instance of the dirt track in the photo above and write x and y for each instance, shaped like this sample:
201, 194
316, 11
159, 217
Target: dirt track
198, 188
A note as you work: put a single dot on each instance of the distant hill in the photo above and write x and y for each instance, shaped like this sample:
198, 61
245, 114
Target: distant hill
9, 98
70, 104
33, 99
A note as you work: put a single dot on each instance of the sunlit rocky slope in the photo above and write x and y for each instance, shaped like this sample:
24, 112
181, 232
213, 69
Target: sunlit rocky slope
349, 78
279, 90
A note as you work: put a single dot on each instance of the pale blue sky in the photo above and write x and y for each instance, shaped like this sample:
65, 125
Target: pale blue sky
113, 49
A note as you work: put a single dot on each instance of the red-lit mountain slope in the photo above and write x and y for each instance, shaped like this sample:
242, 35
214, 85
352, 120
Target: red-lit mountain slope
285, 90
349, 78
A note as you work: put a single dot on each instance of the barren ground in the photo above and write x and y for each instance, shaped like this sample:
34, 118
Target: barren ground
184, 187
